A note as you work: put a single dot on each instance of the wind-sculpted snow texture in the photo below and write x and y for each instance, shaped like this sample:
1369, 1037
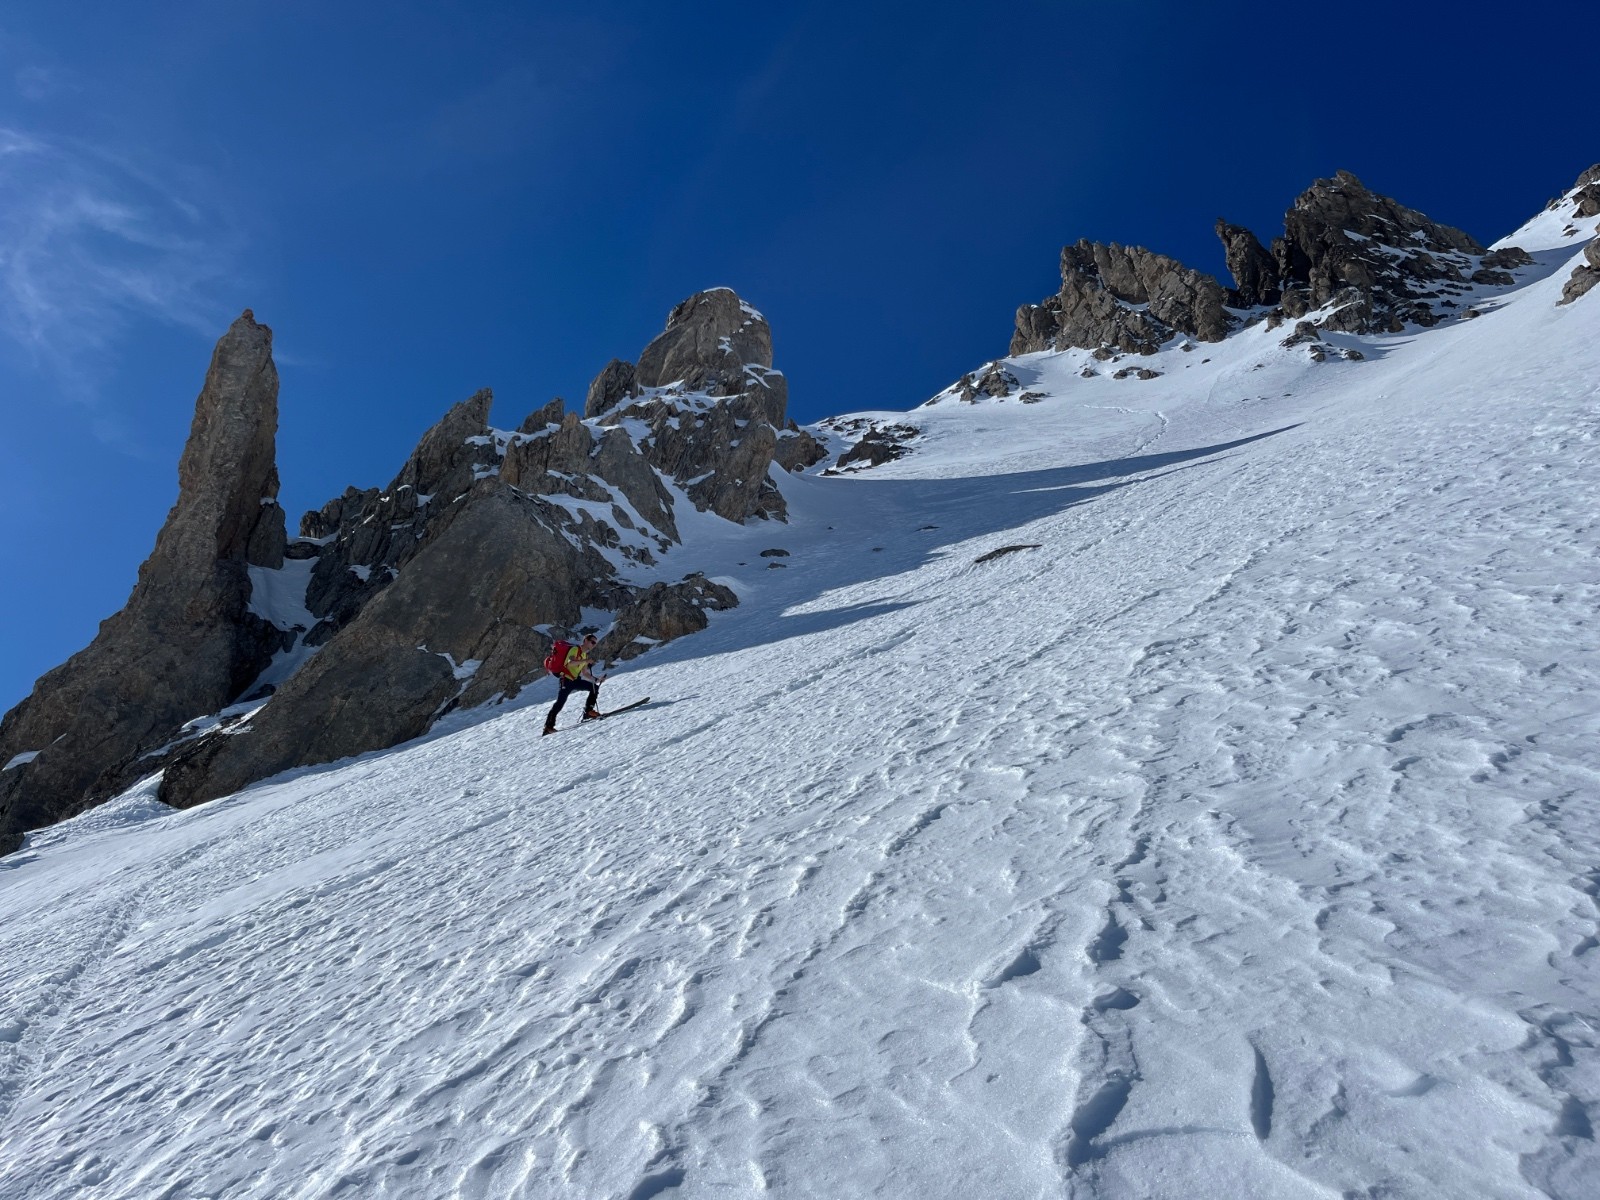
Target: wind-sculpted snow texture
1259, 858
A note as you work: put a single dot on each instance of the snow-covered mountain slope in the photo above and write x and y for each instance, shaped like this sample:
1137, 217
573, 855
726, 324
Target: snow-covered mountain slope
1237, 837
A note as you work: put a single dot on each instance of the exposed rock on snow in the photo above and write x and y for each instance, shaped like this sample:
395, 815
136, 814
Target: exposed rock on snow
1005, 550
1584, 275
187, 642
879, 442
1587, 197
992, 382
1101, 285
662, 613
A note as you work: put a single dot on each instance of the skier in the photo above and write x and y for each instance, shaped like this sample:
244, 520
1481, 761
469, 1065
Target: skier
577, 675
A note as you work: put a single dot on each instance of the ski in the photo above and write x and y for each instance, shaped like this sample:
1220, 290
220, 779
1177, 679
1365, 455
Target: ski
612, 713
626, 708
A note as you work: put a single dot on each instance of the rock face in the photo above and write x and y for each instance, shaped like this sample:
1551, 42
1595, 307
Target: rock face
1588, 193
368, 536
797, 449
714, 406
617, 382
1255, 274
1100, 287
187, 643
1584, 276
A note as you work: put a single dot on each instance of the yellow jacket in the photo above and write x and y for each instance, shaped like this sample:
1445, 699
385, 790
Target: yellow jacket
577, 662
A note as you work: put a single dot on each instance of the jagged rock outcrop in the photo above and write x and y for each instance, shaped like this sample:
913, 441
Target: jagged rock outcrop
1122, 297
1255, 274
1384, 264
797, 449
706, 389
711, 342
486, 538
1374, 263
398, 604
1584, 276
186, 643
616, 382
567, 458
1587, 198
664, 612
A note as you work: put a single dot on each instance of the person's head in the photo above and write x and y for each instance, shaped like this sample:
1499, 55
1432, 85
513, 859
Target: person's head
588, 641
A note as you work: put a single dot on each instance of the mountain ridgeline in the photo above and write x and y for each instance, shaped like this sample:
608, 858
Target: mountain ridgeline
242, 652
397, 605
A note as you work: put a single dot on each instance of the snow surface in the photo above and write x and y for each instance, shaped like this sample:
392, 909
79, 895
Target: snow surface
279, 596
1238, 839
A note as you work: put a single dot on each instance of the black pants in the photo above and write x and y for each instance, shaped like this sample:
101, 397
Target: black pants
568, 686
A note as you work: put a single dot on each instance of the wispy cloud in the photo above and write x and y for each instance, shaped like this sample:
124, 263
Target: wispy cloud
91, 241
37, 83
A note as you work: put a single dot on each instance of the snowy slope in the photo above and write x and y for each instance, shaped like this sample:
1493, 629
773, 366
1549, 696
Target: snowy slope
1239, 839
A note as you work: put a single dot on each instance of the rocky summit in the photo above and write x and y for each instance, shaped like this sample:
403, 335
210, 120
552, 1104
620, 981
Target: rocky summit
713, 405
396, 605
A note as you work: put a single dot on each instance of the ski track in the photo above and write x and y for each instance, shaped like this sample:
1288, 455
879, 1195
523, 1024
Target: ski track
1265, 865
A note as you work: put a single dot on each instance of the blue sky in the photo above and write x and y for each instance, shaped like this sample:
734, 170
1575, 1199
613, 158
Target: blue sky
424, 199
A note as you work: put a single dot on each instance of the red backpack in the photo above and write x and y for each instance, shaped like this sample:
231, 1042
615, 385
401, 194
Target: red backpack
556, 661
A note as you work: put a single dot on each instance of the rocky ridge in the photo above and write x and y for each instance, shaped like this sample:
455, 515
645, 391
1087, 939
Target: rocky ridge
1349, 259
1349, 262
1122, 298
441, 590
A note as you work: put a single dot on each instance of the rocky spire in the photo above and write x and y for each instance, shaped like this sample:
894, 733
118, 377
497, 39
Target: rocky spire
186, 643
